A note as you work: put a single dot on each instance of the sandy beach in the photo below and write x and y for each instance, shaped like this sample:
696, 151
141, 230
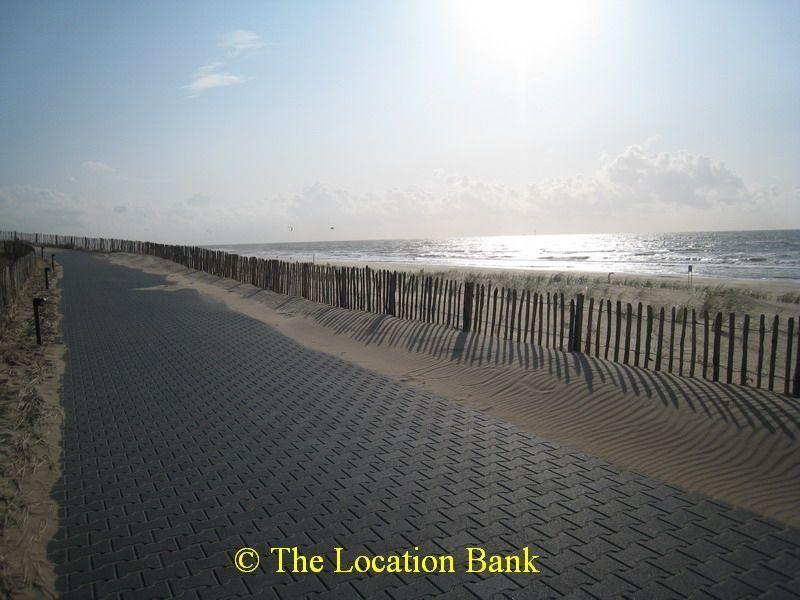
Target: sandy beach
733, 443
769, 296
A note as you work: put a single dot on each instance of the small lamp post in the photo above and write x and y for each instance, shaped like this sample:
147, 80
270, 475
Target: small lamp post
37, 302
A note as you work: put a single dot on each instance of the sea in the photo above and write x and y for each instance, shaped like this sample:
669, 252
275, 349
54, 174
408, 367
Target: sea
718, 254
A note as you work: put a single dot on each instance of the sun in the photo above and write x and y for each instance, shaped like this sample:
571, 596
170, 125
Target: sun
532, 29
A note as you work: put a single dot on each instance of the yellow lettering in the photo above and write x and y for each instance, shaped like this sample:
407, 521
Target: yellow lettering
280, 551
339, 562
479, 559
495, 563
377, 564
530, 567
315, 564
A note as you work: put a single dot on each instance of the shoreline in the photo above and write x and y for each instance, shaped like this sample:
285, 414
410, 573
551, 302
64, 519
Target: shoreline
754, 297
776, 285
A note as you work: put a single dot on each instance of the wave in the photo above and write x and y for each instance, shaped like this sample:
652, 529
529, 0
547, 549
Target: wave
564, 258
753, 255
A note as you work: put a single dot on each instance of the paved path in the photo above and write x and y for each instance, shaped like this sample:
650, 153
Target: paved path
192, 430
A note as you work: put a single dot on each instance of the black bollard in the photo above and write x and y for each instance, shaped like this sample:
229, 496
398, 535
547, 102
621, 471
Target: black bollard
37, 302
42, 252
46, 278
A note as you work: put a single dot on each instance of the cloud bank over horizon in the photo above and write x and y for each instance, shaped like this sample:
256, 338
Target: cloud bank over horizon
667, 190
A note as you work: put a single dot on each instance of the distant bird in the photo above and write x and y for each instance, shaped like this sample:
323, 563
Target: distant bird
291, 228
331, 227
609, 276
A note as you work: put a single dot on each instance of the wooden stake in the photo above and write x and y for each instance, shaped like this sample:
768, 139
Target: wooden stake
745, 334
705, 344
789, 341
772, 354
716, 357
671, 339
731, 346
638, 349
648, 335
628, 324
682, 342
588, 347
694, 344
617, 330
660, 341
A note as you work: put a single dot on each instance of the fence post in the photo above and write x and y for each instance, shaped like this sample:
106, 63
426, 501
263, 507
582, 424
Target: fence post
796, 385
648, 335
467, 306
588, 347
628, 319
577, 333
694, 343
660, 341
789, 340
717, 337
571, 328
705, 344
37, 302
773, 352
731, 346
638, 349
682, 345
617, 330
745, 334
671, 340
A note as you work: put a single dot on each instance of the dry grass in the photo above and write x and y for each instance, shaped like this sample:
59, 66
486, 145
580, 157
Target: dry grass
753, 299
30, 418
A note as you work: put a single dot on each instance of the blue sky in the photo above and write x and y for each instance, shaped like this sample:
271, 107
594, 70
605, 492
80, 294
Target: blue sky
224, 122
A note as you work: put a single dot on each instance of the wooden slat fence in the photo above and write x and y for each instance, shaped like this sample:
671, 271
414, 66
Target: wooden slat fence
728, 348
18, 261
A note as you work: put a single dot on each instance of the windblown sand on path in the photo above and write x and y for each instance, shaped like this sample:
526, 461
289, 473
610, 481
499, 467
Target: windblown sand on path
732, 443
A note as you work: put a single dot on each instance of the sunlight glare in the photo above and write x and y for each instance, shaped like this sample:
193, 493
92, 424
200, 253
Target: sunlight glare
522, 29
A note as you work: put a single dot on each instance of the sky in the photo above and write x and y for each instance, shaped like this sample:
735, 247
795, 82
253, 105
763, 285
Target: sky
224, 122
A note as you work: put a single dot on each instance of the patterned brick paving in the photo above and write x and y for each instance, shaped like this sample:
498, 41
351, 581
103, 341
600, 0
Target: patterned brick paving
192, 430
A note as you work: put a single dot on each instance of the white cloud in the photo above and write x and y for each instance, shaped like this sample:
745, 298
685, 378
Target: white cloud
634, 189
638, 178
630, 181
98, 166
240, 41
210, 76
215, 74
467, 192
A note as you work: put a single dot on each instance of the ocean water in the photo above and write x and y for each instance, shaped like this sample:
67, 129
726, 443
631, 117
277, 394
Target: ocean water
739, 254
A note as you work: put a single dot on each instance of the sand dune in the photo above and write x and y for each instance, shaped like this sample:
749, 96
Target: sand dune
732, 443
